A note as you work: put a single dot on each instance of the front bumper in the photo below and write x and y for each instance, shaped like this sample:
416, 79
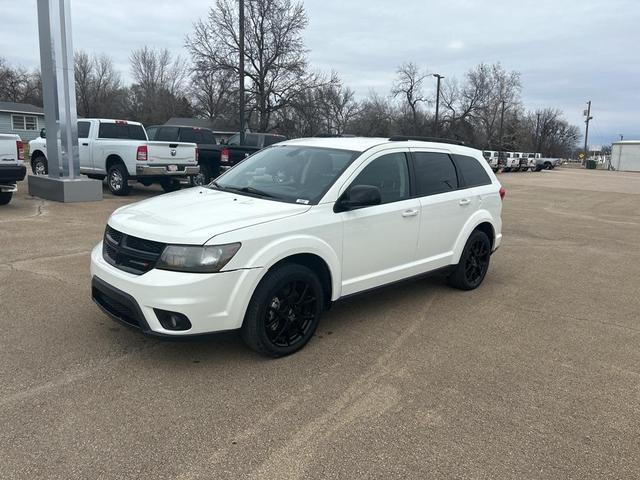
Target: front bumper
163, 171
212, 302
12, 173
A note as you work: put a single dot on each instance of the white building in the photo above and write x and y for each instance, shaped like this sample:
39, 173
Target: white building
625, 155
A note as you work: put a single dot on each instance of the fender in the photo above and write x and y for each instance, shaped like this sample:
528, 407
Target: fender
281, 248
481, 216
39, 151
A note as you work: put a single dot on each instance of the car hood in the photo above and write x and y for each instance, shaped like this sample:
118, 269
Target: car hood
195, 215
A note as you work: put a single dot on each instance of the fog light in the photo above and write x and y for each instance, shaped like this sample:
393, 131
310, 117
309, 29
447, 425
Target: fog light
172, 320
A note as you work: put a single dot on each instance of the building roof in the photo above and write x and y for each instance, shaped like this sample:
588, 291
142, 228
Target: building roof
14, 107
215, 125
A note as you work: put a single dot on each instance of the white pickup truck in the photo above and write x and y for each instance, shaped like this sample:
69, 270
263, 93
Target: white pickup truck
120, 151
12, 169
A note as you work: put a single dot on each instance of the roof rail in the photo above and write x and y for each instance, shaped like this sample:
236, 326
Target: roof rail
334, 135
404, 138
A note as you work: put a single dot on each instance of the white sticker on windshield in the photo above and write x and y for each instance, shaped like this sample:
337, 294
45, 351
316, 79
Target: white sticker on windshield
303, 201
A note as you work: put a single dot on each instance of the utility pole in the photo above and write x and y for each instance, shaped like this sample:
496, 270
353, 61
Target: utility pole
501, 152
621, 137
538, 132
587, 113
439, 77
241, 48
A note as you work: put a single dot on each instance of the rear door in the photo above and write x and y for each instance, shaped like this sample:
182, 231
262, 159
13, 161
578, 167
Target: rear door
84, 146
444, 209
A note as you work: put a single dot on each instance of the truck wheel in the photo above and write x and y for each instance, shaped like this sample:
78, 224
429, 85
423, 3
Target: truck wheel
118, 179
473, 264
170, 185
202, 178
284, 311
5, 197
39, 165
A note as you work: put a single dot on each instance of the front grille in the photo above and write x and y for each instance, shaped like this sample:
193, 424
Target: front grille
131, 254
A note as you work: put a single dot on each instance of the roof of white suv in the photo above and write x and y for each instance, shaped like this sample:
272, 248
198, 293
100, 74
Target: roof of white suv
360, 144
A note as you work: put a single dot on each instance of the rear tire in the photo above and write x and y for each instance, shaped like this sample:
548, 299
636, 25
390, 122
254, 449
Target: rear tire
284, 311
5, 197
118, 180
202, 178
169, 185
39, 165
474, 262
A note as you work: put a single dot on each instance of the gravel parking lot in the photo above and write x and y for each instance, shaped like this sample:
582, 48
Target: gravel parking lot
534, 375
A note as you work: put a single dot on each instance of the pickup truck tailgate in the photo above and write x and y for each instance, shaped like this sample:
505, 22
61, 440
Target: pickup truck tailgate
177, 153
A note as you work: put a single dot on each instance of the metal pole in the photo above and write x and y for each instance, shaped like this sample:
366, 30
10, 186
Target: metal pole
586, 132
241, 45
538, 132
435, 127
501, 152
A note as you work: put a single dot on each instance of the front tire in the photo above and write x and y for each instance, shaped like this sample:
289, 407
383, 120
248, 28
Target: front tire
5, 197
474, 263
284, 311
118, 180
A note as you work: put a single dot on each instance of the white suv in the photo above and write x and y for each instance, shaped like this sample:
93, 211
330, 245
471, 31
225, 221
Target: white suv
275, 240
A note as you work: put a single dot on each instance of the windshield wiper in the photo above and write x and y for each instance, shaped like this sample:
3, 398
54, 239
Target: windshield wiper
249, 190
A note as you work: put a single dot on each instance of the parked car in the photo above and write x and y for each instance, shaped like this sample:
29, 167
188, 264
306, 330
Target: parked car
547, 163
277, 239
120, 151
214, 157
208, 148
12, 169
491, 157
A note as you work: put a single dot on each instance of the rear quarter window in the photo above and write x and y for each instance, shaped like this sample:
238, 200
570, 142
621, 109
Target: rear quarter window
471, 171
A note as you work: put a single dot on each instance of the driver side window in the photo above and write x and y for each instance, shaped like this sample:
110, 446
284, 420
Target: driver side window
390, 174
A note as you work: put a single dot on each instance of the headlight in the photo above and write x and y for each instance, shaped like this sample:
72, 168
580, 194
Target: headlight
207, 259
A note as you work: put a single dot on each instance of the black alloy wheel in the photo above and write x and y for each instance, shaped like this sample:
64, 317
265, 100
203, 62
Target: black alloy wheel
290, 313
474, 262
284, 311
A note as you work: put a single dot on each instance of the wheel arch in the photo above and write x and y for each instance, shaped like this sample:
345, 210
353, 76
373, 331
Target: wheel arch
482, 221
111, 160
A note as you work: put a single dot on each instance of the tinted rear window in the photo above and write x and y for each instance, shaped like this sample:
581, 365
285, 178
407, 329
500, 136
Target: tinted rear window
167, 134
435, 173
251, 139
197, 135
124, 131
271, 139
83, 129
471, 171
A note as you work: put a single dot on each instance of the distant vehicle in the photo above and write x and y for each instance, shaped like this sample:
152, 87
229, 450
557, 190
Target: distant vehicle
491, 156
511, 162
234, 152
274, 241
12, 169
547, 163
208, 148
120, 151
214, 156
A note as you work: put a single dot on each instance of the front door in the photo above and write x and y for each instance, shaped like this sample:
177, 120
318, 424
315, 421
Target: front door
84, 148
379, 241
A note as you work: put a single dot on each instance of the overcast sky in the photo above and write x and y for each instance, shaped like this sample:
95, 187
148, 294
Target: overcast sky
568, 51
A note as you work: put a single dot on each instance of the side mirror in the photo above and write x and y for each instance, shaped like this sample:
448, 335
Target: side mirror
43, 133
359, 196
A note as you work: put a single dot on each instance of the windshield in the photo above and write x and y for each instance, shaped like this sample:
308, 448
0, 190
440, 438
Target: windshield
287, 173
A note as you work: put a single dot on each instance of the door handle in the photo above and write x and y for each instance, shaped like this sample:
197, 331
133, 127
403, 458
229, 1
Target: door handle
464, 201
85, 144
410, 213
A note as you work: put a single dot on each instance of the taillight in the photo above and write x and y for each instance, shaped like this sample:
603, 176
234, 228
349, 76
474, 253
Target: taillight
197, 154
224, 155
141, 153
20, 149
503, 192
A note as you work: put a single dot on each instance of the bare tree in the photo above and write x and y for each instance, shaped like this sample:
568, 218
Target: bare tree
276, 63
409, 83
159, 89
19, 85
99, 89
215, 95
